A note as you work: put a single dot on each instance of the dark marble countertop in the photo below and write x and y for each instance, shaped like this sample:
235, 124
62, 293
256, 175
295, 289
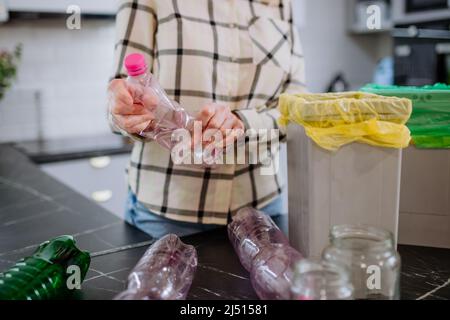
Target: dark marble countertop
34, 207
74, 148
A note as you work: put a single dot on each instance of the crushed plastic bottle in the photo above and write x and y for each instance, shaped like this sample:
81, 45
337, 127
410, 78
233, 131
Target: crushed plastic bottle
165, 272
265, 252
169, 115
249, 231
44, 275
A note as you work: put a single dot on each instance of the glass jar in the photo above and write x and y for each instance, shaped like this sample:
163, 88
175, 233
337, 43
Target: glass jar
321, 281
370, 256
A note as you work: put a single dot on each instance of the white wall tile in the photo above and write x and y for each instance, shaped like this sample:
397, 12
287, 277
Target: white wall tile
70, 69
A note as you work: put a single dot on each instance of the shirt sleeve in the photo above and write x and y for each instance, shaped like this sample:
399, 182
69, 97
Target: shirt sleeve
136, 24
266, 116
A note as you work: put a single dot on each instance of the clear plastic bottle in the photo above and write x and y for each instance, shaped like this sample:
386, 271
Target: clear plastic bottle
165, 272
169, 115
370, 256
321, 281
251, 230
264, 250
273, 270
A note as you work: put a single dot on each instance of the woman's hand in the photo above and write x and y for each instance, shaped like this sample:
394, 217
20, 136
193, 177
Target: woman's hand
126, 114
219, 118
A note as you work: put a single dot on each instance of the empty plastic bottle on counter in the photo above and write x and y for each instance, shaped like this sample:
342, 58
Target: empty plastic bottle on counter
45, 274
169, 115
249, 231
165, 272
264, 250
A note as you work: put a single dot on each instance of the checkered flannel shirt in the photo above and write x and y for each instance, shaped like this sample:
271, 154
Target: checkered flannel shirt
241, 53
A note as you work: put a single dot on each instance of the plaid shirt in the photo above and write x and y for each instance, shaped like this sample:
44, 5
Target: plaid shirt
241, 53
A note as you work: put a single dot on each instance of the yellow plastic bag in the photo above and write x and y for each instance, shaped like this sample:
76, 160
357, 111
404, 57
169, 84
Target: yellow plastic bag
333, 120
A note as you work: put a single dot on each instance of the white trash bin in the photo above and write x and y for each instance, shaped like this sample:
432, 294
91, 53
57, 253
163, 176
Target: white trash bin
358, 184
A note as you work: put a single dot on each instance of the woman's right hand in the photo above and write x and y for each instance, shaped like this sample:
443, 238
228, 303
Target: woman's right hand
126, 113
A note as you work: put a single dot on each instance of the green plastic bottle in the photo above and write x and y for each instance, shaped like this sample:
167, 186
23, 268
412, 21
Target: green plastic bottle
44, 275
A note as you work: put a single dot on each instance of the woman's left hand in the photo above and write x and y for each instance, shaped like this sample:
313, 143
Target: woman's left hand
219, 118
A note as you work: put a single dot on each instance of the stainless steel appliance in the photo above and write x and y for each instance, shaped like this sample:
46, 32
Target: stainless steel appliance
421, 56
416, 11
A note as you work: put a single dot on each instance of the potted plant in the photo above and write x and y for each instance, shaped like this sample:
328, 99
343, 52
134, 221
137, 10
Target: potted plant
8, 68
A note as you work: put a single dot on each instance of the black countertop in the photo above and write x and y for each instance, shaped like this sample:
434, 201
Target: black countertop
34, 207
74, 148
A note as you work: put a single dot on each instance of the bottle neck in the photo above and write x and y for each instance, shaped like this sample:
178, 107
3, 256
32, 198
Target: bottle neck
142, 77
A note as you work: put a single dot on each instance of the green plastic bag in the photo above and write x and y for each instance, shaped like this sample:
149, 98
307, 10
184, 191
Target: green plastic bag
430, 120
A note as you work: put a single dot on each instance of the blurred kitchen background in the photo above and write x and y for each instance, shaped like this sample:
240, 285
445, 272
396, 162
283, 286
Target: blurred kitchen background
56, 108
62, 76
60, 86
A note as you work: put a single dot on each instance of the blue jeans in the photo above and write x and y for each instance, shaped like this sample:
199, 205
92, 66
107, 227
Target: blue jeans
158, 226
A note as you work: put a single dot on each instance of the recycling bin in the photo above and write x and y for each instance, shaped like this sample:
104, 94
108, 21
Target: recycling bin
358, 183
425, 185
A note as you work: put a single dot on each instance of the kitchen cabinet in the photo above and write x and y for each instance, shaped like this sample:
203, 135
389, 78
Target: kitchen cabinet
361, 16
101, 179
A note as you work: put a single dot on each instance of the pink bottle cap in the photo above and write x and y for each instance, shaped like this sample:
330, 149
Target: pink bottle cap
135, 64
